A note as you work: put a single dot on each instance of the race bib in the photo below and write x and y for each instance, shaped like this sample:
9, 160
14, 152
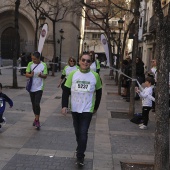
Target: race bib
83, 86
1, 103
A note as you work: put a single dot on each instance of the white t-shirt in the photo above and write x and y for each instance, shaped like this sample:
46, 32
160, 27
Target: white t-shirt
67, 70
93, 66
146, 101
38, 82
153, 70
83, 87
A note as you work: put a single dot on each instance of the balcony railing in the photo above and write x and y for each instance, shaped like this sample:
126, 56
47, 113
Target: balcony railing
152, 24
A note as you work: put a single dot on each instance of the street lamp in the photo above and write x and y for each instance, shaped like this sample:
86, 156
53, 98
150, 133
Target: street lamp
94, 43
85, 45
60, 42
42, 19
79, 39
113, 38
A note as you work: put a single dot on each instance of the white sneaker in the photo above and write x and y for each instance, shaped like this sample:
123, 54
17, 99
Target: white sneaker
141, 124
4, 122
143, 127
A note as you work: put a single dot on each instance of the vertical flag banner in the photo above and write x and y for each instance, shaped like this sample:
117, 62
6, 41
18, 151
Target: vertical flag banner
43, 35
106, 48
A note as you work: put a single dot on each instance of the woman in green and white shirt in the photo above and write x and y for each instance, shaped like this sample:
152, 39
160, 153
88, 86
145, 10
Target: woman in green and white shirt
38, 71
67, 70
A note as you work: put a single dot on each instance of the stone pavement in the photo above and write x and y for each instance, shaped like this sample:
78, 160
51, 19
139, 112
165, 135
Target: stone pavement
112, 137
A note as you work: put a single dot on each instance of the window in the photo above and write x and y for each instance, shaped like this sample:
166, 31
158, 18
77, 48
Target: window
140, 24
113, 23
96, 36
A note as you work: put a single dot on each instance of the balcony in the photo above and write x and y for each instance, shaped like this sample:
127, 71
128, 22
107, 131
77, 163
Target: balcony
152, 24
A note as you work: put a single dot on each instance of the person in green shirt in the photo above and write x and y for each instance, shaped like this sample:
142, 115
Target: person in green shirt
38, 71
86, 91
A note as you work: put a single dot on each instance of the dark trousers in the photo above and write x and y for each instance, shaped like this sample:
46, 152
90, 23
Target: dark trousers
153, 102
1, 117
145, 114
35, 100
81, 123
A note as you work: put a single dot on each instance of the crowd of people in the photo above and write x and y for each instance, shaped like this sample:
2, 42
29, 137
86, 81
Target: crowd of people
81, 83
149, 82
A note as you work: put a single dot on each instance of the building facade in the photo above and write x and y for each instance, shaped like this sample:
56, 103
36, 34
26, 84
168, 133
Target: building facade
72, 26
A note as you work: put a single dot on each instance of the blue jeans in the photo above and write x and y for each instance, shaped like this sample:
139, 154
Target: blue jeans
81, 123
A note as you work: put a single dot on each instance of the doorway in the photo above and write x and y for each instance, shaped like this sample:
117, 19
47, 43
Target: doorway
7, 43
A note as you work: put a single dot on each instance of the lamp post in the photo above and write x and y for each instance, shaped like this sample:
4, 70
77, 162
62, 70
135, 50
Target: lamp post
60, 42
79, 39
42, 19
113, 37
94, 43
85, 45
120, 25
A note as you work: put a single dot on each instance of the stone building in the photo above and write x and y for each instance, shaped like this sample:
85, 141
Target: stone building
72, 26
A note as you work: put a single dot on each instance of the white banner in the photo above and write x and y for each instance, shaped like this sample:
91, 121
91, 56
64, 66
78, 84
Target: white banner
106, 48
43, 35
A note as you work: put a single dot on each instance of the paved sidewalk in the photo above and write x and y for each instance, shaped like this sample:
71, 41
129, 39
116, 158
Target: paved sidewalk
112, 137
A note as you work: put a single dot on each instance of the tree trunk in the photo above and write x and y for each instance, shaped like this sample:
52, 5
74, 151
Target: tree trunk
161, 161
134, 55
36, 32
16, 44
122, 54
54, 43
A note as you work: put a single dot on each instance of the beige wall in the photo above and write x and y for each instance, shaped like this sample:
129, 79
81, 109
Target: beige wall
71, 25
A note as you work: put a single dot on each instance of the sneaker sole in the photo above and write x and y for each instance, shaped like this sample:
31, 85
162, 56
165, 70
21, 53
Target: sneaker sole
79, 164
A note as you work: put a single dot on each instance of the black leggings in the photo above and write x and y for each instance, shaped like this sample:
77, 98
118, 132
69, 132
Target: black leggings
35, 100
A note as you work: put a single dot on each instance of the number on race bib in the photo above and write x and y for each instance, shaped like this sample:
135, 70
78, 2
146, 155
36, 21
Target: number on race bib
82, 86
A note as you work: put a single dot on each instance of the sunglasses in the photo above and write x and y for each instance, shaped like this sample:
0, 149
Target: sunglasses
72, 61
83, 60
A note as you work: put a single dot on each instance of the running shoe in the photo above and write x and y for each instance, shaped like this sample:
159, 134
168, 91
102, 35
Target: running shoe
80, 162
37, 124
4, 122
34, 122
141, 124
143, 127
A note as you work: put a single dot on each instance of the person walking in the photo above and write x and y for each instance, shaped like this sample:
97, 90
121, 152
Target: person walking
3, 99
95, 65
38, 71
67, 70
146, 95
86, 91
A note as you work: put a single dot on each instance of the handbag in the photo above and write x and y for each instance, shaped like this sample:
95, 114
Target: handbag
29, 82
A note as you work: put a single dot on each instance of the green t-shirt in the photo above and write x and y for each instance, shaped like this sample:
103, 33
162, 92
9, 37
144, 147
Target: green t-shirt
83, 87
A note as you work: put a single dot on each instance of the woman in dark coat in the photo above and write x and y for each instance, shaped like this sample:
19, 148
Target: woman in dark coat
139, 73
